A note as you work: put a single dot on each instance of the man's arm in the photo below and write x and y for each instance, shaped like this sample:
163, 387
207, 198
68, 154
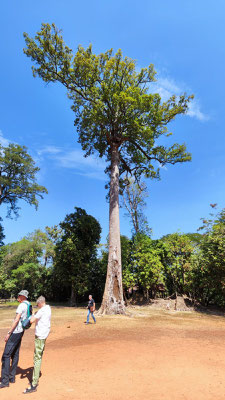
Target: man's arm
14, 325
33, 318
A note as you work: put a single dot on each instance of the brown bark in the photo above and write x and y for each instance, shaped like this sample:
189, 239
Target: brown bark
73, 302
112, 302
175, 304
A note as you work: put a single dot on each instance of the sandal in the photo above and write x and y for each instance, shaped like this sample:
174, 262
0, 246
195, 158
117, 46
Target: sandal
30, 389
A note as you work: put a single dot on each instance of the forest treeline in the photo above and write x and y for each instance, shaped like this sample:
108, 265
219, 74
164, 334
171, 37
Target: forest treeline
66, 262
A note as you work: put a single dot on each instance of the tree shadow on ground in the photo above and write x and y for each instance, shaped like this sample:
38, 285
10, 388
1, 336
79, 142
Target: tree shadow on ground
184, 303
210, 310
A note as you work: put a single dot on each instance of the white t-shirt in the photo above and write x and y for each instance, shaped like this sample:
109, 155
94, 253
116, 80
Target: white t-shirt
21, 309
43, 322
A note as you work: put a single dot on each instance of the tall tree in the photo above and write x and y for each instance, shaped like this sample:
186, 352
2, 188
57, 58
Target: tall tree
76, 251
18, 178
117, 117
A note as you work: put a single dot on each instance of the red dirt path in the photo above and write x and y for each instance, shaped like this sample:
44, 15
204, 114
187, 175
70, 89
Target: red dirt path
150, 355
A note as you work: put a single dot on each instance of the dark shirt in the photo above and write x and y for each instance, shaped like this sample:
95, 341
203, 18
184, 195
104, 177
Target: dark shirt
90, 303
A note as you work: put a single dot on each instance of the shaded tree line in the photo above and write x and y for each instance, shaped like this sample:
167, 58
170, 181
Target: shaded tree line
65, 263
60, 262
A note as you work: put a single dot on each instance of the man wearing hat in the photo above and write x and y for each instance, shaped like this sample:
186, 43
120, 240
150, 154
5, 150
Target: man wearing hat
13, 342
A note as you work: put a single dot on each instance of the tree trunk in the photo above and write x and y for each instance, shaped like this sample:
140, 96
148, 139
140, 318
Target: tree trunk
112, 302
73, 302
125, 297
136, 222
175, 304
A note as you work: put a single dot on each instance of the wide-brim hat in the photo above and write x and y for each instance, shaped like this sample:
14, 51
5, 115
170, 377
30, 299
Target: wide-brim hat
24, 293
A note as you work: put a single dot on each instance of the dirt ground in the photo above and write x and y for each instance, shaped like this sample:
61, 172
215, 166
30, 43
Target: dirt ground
150, 354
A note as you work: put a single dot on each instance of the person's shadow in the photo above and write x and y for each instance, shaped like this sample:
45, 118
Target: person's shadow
25, 373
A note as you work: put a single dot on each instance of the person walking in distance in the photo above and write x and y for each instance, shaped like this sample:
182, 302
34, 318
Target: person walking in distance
42, 318
91, 309
13, 341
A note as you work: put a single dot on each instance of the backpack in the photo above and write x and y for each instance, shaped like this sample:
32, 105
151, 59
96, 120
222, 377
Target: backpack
26, 322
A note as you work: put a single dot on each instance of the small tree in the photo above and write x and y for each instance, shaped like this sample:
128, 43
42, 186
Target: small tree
133, 197
18, 178
47, 241
116, 116
147, 265
178, 262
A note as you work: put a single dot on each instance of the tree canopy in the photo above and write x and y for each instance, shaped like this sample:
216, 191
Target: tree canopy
111, 100
20, 267
18, 178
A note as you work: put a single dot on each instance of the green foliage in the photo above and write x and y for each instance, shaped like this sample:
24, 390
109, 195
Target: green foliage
46, 241
112, 102
18, 253
146, 262
195, 238
191, 264
126, 247
18, 178
178, 261
76, 251
29, 276
54, 261
22, 265
210, 269
127, 270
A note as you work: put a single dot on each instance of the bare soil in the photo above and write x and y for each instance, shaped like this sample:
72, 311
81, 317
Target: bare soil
148, 354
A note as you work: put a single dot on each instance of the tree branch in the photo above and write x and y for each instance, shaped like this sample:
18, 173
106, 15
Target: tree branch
145, 154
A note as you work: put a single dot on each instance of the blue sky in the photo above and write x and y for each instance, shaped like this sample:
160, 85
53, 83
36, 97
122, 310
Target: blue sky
185, 42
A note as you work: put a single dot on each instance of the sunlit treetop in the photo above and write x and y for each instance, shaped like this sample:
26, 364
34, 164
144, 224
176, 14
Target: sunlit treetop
113, 102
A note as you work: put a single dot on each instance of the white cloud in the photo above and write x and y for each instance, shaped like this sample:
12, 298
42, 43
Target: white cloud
194, 111
3, 141
49, 150
166, 87
74, 159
